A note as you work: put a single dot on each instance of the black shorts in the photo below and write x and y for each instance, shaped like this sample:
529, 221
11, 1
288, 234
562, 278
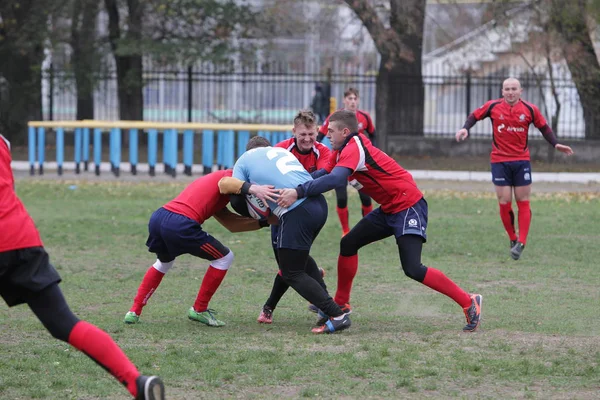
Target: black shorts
23, 272
299, 227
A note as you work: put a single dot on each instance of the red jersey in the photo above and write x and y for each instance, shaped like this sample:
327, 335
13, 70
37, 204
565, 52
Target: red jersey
377, 174
365, 124
17, 230
316, 158
510, 128
201, 199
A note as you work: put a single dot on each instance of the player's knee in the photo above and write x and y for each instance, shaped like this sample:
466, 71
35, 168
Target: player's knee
163, 267
223, 263
415, 271
348, 245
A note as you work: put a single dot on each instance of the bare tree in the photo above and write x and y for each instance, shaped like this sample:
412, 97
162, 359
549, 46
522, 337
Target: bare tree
397, 31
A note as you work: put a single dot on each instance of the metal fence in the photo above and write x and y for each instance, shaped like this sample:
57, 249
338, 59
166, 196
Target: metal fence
272, 93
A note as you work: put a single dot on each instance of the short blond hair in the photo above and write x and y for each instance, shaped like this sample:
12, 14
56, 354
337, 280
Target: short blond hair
306, 118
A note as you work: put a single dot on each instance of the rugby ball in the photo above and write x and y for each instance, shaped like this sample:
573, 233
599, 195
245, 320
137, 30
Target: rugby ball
257, 208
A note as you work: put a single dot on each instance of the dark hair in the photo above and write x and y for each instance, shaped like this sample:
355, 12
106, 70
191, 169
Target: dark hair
305, 117
257, 141
350, 91
345, 119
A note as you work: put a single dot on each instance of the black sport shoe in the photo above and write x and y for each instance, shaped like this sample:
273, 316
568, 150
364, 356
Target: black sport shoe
150, 388
512, 243
517, 250
333, 325
473, 313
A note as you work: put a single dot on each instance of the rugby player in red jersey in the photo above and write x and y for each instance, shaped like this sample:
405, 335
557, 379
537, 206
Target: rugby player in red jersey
176, 229
313, 156
510, 160
26, 276
403, 213
365, 126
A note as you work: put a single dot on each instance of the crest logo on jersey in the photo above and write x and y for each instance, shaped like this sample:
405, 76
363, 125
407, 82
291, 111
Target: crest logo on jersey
412, 222
360, 126
522, 117
501, 116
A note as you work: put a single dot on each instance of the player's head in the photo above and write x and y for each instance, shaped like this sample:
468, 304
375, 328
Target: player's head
351, 99
511, 90
305, 130
341, 124
257, 141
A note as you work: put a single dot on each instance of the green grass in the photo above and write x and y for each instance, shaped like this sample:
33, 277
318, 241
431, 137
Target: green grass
540, 333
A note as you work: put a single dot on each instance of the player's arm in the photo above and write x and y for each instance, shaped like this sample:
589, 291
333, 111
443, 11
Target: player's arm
236, 223
319, 173
371, 129
231, 185
323, 130
463, 133
540, 122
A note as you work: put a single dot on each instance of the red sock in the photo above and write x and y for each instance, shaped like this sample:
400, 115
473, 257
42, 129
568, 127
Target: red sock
100, 347
147, 288
436, 280
366, 209
347, 268
212, 279
343, 215
524, 220
508, 220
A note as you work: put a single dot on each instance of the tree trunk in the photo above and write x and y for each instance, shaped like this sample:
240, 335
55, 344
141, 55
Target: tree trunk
83, 34
21, 98
129, 66
570, 23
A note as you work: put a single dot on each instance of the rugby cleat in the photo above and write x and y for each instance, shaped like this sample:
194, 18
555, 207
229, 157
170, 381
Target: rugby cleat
512, 243
150, 388
333, 325
517, 250
473, 313
266, 315
131, 318
206, 317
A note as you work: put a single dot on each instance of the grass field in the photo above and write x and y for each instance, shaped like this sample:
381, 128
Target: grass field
541, 319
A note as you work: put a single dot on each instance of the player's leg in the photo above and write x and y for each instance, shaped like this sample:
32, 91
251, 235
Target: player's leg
502, 179
298, 229
522, 189
279, 285
34, 281
154, 275
366, 204
221, 258
410, 231
341, 194
370, 229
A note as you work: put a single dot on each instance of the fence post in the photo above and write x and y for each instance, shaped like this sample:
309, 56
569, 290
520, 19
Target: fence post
86, 148
468, 94
188, 152
208, 150
133, 150
189, 90
60, 149
51, 94
41, 149
173, 138
97, 150
77, 134
31, 148
243, 138
152, 150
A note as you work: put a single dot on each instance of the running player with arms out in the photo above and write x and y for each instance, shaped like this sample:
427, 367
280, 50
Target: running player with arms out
261, 170
403, 213
313, 156
176, 229
510, 160
365, 126
26, 276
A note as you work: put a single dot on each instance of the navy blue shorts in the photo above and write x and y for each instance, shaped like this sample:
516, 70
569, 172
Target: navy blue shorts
299, 227
171, 235
511, 173
23, 272
412, 221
